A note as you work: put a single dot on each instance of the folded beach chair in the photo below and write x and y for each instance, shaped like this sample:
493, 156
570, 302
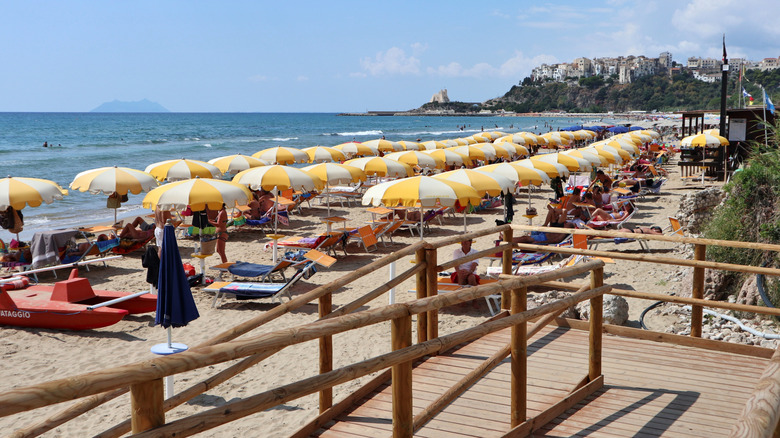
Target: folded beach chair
98, 249
266, 273
364, 235
127, 246
256, 290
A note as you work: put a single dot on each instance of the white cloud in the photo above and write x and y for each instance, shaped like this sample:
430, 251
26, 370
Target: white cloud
517, 65
419, 48
392, 62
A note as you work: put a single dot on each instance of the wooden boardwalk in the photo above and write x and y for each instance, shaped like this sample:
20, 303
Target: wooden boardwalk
650, 389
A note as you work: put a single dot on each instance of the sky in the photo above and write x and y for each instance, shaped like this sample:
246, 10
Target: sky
339, 56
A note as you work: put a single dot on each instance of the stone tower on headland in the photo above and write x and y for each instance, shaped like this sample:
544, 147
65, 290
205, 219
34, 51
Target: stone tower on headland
440, 97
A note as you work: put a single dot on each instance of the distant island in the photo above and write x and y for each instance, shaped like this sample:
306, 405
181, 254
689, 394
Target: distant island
141, 106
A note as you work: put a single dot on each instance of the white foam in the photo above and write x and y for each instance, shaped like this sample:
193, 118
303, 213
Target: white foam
357, 133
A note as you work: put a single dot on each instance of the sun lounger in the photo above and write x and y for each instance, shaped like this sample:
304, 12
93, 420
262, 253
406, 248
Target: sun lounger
364, 235
127, 246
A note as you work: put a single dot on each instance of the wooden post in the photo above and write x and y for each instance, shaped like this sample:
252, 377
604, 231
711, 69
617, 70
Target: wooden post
326, 352
596, 319
699, 253
432, 278
146, 402
401, 337
519, 360
506, 268
422, 288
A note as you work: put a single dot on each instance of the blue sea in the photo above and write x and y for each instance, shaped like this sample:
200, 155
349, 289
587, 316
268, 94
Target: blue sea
84, 141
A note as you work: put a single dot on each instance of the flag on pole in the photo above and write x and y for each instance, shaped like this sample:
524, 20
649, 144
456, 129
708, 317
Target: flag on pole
746, 94
768, 102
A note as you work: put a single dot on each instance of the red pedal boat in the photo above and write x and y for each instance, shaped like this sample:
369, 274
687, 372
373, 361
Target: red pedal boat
71, 304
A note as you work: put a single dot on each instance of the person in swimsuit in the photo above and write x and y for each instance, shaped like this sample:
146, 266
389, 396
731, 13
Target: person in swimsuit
138, 229
601, 215
220, 223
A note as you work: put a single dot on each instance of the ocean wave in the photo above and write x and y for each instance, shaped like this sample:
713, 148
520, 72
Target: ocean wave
275, 139
357, 133
206, 145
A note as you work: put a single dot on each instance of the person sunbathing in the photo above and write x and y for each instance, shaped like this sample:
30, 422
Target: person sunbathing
138, 229
643, 230
602, 215
23, 256
542, 238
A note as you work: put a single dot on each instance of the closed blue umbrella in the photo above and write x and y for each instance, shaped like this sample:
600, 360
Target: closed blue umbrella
175, 305
617, 129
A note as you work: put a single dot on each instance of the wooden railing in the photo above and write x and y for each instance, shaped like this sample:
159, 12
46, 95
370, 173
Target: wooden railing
143, 379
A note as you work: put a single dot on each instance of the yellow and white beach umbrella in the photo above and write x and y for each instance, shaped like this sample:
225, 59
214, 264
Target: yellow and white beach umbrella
424, 191
556, 139
574, 164
607, 152
483, 137
621, 144
641, 135
451, 158
282, 155
182, 169
473, 152
324, 154
614, 147
469, 140
484, 183
334, 173
109, 180
552, 170
114, 180
232, 164
17, 192
656, 135
412, 145
518, 174
384, 145
513, 148
417, 158
593, 158
496, 151
356, 149
452, 142
198, 193
381, 166
627, 137
432, 145
584, 134
704, 140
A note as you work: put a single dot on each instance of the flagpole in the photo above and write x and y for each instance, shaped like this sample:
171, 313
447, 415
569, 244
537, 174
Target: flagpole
766, 142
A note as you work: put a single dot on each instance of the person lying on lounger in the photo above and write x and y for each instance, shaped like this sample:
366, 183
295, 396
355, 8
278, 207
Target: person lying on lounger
601, 215
138, 229
542, 238
643, 230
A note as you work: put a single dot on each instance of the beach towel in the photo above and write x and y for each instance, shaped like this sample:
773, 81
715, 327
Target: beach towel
245, 269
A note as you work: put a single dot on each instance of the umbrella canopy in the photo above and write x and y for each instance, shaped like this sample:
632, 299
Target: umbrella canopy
433, 145
18, 192
483, 137
175, 304
513, 148
556, 139
704, 140
591, 157
617, 129
282, 155
451, 142
552, 170
108, 180
655, 134
355, 149
583, 134
382, 166
614, 146
517, 174
574, 164
425, 190
232, 164
198, 193
628, 138
494, 151
323, 154
178, 170
451, 158
278, 177
607, 152
412, 145
334, 173
516, 138
384, 145
492, 184
417, 158
473, 152
620, 144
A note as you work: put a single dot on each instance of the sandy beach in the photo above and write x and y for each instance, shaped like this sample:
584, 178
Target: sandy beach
37, 355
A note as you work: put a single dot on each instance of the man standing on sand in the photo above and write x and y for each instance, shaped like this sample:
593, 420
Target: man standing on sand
466, 273
220, 223
160, 219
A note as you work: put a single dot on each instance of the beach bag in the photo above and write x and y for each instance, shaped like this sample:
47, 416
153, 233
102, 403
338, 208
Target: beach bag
188, 269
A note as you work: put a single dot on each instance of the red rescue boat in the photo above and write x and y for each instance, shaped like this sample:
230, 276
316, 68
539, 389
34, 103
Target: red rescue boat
71, 304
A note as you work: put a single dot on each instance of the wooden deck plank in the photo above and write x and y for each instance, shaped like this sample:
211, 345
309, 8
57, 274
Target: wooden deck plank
652, 389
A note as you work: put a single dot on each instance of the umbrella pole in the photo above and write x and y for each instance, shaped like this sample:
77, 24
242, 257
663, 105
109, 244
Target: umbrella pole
327, 197
276, 224
464, 220
421, 222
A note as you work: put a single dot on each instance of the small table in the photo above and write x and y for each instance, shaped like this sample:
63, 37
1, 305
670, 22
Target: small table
530, 218
381, 211
275, 237
329, 221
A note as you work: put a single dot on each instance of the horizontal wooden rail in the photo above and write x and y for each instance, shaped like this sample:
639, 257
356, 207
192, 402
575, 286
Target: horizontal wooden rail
451, 240
232, 411
56, 391
650, 258
659, 237
83, 406
736, 307
485, 252
363, 299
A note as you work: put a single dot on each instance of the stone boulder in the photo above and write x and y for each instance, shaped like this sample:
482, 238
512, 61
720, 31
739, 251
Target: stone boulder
536, 300
615, 310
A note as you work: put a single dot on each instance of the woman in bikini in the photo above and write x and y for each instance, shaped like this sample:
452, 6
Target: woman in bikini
220, 223
601, 215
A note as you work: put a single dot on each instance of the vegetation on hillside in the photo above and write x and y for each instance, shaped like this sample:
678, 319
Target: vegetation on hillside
597, 94
751, 213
